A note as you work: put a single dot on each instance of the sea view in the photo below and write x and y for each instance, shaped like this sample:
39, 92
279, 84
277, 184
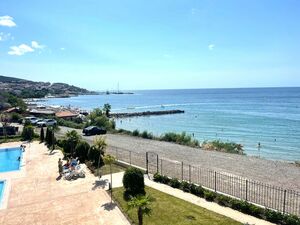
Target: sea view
269, 116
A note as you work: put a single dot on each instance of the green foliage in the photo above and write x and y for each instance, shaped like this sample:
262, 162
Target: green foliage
15, 117
182, 138
229, 147
42, 135
197, 190
27, 133
96, 118
70, 141
69, 123
135, 133
209, 196
185, 186
147, 135
81, 150
174, 182
11, 100
142, 204
95, 156
106, 109
133, 182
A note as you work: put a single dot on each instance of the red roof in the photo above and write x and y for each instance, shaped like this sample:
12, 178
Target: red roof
63, 114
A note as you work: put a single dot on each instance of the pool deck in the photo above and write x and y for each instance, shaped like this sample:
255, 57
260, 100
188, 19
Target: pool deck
36, 196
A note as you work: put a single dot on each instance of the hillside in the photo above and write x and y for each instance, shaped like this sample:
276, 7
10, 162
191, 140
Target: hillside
31, 89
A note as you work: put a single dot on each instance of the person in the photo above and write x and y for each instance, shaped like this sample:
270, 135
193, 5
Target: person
67, 164
19, 158
60, 167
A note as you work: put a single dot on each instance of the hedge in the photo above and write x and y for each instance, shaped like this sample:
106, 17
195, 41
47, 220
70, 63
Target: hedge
239, 205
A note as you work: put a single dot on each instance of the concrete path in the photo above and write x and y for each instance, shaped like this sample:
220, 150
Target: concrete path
39, 197
225, 211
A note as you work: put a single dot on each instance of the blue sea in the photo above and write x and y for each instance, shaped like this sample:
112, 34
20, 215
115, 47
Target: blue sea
269, 116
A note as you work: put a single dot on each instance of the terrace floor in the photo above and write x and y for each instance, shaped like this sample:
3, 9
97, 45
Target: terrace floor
38, 197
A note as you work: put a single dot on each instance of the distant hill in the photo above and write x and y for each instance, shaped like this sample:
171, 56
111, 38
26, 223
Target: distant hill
31, 89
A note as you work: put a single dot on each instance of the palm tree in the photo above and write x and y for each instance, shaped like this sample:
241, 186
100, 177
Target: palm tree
142, 204
109, 160
100, 145
73, 138
106, 109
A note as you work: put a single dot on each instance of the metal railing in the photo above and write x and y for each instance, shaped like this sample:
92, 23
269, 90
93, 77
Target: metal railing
265, 195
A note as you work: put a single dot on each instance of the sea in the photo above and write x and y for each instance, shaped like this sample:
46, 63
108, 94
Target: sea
269, 117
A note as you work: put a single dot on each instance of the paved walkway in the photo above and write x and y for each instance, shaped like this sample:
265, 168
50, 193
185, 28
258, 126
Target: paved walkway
225, 211
39, 198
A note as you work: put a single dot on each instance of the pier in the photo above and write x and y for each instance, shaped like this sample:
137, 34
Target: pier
146, 113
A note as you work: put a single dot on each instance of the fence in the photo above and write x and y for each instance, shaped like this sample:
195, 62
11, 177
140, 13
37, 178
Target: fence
272, 197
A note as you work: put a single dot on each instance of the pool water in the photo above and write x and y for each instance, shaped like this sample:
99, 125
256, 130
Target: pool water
1, 190
10, 159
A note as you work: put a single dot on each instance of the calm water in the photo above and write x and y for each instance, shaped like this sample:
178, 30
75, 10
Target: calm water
270, 116
9, 159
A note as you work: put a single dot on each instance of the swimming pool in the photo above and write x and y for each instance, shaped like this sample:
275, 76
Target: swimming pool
10, 159
1, 190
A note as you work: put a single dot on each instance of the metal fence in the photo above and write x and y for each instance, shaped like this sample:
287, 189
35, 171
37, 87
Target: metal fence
272, 197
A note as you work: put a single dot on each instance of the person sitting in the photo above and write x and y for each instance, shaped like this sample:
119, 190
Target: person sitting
67, 164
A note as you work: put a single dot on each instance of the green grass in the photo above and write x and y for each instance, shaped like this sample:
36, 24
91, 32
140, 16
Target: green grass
114, 167
169, 210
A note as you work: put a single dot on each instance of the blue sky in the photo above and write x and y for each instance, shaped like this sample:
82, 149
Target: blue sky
152, 44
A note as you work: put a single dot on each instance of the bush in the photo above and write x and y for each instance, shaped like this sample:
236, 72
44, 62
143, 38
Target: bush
223, 200
291, 220
157, 178
185, 186
197, 190
133, 182
82, 150
71, 124
175, 183
15, 117
182, 138
209, 196
147, 135
27, 133
94, 155
165, 180
274, 217
135, 133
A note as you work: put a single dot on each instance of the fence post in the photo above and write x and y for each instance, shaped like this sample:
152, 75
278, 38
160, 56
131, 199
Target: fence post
284, 201
157, 163
161, 167
190, 173
130, 158
116, 154
181, 171
146, 162
246, 190
215, 181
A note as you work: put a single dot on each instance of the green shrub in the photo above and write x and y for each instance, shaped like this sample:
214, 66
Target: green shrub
222, 200
182, 138
69, 123
27, 133
165, 180
42, 135
133, 182
95, 156
82, 150
157, 177
174, 182
185, 186
256, 211
147, 135
235, 204
135, 133
273, 216
15, 117
229, 147
209, 196
291, 220
197, 190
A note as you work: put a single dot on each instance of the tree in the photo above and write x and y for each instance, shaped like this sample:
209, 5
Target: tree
82, 150
142, 204
100, 145
109, 160
47, 139
27, 133
71, 140
42, 135
106, 109
133, 182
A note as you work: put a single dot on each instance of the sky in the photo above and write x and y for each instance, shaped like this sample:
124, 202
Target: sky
154, 44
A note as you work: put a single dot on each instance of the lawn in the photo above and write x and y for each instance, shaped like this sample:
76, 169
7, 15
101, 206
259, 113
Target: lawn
114, 168
169, 210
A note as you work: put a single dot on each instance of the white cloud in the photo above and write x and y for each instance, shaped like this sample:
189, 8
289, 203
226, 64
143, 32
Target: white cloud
20, 50
62, 48
5, 37
7, 21
36, 45
211, 47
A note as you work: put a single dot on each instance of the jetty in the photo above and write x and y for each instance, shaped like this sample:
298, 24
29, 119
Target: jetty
146, 113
